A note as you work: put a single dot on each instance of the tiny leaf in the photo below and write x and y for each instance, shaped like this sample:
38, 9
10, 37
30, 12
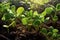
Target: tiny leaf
20, 11
35, 13
55, 18
44, 30
55, 30
58, 7
49, 10
24, 21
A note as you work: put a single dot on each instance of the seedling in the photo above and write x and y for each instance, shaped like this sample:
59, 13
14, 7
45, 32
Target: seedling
51, 33
58, 7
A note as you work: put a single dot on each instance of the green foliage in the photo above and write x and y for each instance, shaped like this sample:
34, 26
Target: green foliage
8, 13
58, 7
19, 11
7, 16
43, 14
4, 6
49, 34
49, 10
55, 18
25, 21
44, 30
30, 18
30, 13
36, 22
55, 31
35, 13
51, 28
13, 8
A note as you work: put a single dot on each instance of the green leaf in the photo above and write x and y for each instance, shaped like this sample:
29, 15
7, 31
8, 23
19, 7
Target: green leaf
7, 16
24, 21
44, 30
49, 33
30, 13
43, 14
35, 13
10, 11
13, 8
54, 35
30, 21
41, 19
36, 22
55, 30
49, 10
6, 5
55, 18
51, 28
20, 11
58, 7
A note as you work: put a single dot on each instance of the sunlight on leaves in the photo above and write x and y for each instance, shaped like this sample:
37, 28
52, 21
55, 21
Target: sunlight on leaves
20, 11
41, 2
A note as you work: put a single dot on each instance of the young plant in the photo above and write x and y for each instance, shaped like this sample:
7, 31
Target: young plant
34, 18
10, 14
58, 7
51, 34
